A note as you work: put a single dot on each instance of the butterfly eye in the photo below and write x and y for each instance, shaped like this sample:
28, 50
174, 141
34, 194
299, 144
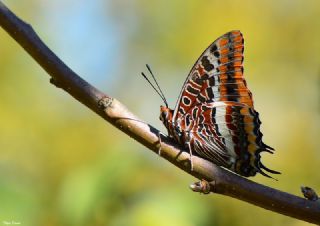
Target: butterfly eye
163, 116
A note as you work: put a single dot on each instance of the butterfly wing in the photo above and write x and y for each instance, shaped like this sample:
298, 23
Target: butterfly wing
215, 108
216, 76
229, 135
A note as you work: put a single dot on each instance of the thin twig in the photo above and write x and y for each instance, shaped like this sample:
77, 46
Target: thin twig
221, 180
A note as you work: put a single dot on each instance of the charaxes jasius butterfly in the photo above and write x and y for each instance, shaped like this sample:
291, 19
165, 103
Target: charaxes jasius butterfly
214, 116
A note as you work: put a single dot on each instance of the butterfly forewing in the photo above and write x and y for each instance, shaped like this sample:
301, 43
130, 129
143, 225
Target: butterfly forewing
216, 76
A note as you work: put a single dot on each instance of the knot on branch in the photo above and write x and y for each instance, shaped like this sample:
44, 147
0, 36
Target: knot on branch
105, 102
309, 193
55, 82
202, 186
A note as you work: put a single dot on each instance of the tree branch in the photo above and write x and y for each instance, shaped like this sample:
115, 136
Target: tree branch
221, 181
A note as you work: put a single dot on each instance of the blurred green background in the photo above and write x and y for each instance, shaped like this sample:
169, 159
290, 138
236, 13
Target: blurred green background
60, 164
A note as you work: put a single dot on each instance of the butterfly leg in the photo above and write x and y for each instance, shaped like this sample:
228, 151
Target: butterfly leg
188, 144
190, 151
159, 137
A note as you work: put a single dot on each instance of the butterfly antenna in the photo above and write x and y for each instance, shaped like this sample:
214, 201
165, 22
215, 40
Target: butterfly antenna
146, 78
159, 91
163, 97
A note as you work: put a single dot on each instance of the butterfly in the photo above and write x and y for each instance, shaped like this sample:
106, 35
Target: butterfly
214, 117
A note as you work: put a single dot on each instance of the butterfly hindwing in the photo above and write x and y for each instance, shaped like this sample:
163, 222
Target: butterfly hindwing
234, 130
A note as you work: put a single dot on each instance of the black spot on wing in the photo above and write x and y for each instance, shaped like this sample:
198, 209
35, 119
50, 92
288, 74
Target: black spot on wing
200, 119
198, 81
192, 90
201, 98
186, 100
204, 76
214, 48
210, 93
212, 81
194, 112
213, 114
232, 89
204, 108
188, 120
216, 54
181, 111
206, 64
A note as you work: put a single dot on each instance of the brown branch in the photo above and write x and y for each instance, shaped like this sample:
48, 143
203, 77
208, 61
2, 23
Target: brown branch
222, 181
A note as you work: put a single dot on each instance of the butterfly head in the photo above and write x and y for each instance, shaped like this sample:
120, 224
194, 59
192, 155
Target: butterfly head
165, 115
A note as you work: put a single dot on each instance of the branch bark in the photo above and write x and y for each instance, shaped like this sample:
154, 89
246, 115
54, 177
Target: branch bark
221, 181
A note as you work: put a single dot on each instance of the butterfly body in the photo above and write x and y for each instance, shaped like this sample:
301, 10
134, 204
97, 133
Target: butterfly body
214, 116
